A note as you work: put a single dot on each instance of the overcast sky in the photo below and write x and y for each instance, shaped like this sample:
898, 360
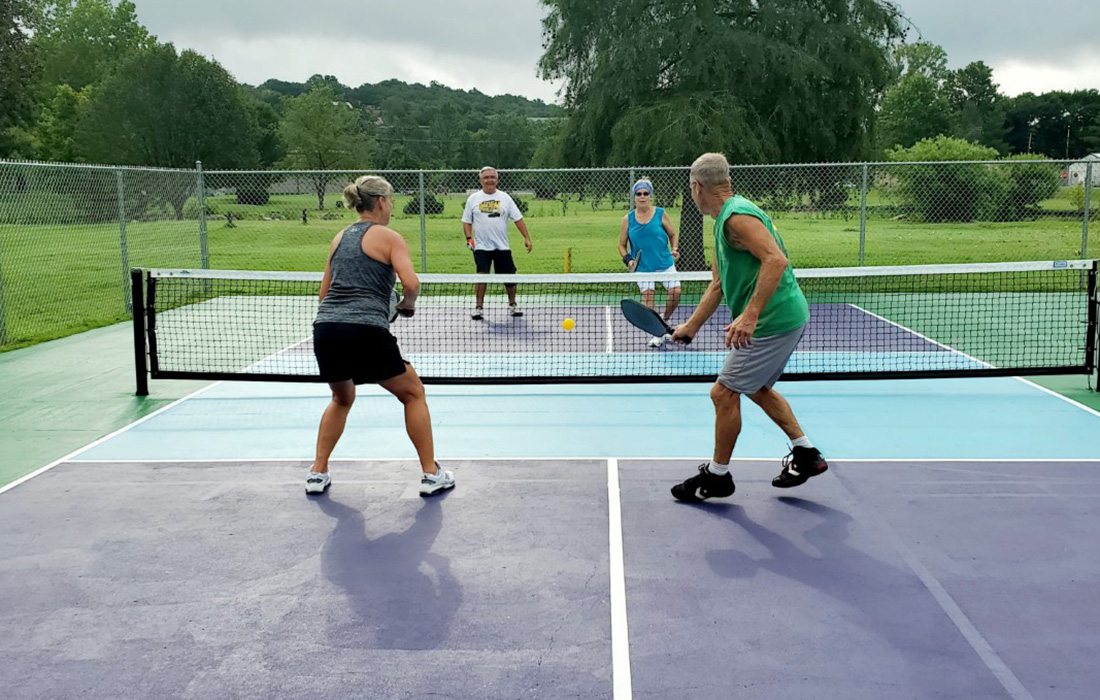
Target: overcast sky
495, 47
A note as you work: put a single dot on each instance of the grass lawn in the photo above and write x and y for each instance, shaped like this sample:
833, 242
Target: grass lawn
61, 279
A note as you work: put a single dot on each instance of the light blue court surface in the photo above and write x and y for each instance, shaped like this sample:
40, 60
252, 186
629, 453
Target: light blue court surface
991, 418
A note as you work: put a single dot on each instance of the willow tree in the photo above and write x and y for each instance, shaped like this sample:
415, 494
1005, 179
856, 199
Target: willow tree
653, 82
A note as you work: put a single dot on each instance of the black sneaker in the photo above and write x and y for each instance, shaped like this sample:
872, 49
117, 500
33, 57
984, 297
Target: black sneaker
704, 485
476, 315
800, 465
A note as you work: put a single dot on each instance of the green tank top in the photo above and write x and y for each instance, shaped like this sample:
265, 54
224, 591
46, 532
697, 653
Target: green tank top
737, 270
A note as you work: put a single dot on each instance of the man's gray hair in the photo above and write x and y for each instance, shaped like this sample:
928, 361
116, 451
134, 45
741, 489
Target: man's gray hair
486, 167
711, 170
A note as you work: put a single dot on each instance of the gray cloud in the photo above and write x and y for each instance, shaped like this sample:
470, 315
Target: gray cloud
496, 46
1002, 30
461, 26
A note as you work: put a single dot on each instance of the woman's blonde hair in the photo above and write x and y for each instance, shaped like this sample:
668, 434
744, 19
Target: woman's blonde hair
362, 194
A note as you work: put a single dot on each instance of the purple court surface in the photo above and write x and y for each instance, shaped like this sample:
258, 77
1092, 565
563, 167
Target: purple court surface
948, 553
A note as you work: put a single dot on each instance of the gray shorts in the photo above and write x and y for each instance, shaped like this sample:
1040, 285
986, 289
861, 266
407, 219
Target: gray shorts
759, 364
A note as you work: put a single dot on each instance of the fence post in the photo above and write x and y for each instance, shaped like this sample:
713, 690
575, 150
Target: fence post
1088, 205
127, 302
3, 316
423, 229
630, 189
201, 185
863, 217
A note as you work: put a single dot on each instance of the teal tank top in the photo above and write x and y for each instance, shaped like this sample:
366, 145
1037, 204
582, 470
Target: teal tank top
651, 240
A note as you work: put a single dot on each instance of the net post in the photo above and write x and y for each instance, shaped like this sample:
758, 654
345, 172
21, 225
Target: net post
137, 300
863, 217
127, 300
1092, 341
1088, 205
201, 190
423, 229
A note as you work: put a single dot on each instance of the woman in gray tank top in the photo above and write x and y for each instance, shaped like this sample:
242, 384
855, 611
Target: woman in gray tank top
351, 333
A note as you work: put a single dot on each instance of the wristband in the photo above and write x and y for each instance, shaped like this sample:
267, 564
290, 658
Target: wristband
627, 260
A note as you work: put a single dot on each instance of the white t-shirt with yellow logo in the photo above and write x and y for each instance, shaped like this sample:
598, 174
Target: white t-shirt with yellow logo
490, 214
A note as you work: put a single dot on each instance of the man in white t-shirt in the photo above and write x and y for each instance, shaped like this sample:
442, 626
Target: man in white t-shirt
485, 223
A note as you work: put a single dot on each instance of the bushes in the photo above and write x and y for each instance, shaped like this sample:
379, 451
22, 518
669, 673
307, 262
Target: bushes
1075, 195
949, 192
432, 205
1008, 191
251, 188
1027, 185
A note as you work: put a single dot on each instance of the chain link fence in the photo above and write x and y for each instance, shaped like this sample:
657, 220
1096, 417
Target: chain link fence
68, 234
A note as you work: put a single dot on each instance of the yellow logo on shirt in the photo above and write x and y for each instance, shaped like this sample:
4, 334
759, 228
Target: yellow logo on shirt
490, 208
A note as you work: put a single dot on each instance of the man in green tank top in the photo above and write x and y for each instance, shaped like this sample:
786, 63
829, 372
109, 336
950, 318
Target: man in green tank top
752, 274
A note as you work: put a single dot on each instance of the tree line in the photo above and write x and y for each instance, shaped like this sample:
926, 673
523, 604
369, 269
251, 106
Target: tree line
645, 82
84, 81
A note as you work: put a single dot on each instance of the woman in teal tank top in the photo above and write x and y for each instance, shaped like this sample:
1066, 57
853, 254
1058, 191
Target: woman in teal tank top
649, 242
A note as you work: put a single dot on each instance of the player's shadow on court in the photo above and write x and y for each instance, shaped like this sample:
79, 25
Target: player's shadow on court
400, 594
875, 592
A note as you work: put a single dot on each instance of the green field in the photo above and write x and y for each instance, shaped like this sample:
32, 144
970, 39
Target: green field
62, 279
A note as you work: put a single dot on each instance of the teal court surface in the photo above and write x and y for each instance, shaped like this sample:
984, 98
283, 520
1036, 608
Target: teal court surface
948, 553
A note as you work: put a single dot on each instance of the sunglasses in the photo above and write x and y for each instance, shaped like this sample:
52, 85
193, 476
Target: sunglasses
641, 194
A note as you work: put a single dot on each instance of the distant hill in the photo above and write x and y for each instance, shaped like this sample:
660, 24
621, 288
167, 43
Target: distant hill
422, 99
434, 126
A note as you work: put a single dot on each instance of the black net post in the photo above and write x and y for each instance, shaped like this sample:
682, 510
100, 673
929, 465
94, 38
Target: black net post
1092, 345
137, 301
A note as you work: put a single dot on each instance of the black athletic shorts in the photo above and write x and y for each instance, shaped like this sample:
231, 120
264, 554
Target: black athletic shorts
356, 351
500, 260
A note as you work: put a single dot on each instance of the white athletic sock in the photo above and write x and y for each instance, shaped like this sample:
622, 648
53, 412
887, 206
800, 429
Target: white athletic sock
802, 442
719, 469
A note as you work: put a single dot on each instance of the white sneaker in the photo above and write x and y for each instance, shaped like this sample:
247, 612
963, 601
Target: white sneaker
317, 483
442, 480
514, 310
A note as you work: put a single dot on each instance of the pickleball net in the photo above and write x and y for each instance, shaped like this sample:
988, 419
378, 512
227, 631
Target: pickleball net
983, 319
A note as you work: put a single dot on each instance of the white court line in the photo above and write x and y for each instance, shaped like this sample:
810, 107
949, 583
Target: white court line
601, 458
950, 607
620, 638
922, 336
1023, 380
105, 438
1056, 395
69, 457
610, 333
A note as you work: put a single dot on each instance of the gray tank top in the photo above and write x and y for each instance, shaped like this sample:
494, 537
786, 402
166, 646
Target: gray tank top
361, 286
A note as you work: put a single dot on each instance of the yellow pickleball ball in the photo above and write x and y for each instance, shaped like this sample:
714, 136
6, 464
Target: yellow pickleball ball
568, 324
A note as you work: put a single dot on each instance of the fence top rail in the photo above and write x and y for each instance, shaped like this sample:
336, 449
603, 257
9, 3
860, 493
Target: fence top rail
92, 166
638, 169
648, 169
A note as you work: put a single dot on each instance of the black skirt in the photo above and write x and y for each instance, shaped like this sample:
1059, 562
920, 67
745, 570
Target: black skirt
365, 354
